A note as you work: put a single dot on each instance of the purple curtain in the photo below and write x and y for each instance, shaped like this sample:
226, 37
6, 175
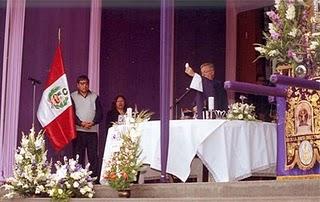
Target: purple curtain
94, 46
10, 88
166, 65
2, 25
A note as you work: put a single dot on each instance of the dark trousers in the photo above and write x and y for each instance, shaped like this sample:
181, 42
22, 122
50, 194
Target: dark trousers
87, 141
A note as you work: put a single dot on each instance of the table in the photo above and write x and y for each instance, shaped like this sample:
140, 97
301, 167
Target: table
231, 150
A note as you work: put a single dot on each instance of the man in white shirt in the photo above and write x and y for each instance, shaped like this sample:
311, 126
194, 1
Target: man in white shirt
88, 113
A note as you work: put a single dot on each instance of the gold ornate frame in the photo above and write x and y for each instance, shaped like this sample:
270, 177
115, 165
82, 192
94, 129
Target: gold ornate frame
302, 144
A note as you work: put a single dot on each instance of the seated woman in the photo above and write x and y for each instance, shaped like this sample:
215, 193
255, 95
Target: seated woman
119, 107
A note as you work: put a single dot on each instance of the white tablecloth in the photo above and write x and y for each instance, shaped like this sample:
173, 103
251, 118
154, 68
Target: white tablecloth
231, 150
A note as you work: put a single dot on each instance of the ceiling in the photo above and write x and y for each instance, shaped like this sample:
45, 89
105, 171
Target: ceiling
241, 5
244, 5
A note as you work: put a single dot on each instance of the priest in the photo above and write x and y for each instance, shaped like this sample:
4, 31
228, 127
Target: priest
207, 86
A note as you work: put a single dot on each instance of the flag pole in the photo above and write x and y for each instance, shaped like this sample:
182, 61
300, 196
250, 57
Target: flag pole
34, 82
59, 153
59, 35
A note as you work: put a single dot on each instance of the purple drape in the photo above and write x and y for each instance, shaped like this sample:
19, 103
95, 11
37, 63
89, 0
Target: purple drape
2, 30
297, 82
10, 88
166, 64
94, 46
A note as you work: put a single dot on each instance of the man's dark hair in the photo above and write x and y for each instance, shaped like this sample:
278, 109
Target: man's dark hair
82, 78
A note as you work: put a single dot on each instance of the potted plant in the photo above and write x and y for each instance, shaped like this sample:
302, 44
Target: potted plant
122, 167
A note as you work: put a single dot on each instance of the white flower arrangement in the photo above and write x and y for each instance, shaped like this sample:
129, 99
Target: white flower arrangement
124, 164
122, 168
241, 111
31, 171
293, 36
71, 180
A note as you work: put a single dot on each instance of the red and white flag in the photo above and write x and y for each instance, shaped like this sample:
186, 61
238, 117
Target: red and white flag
55, 112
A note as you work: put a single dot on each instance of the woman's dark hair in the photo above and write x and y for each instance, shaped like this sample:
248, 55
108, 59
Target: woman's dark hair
113, 106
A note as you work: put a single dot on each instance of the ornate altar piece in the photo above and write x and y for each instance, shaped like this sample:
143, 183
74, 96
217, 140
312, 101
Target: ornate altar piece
302, 128
294, 50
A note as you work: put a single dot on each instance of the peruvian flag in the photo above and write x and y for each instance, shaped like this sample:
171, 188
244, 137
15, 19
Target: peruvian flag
55, 112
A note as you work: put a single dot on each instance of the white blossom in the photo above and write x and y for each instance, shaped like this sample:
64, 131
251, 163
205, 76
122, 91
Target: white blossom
82, 191
291, 12
229, 116
22, 151
50, 192
68, 185
26, 186
61, 173
24, 141
271, 27
314, 45
293, 32
276, 4
273, 53
75, 184
18, 158
75, 175
260, 50
39, 189
60, 191
38, 144
316, 34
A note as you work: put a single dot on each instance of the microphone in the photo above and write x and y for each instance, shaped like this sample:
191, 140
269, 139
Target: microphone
34, 80
183, 95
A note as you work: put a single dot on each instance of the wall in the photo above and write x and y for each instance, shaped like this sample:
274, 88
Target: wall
130, 51
200, 37
129, 63
249, 31
41, 27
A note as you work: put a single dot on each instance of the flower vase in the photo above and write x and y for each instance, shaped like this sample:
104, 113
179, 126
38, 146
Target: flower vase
125, 193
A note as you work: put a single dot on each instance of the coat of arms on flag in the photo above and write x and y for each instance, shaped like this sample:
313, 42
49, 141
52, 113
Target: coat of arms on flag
55, 112
58, 97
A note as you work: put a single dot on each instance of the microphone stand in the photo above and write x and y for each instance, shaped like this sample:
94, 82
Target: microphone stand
179, 99
34, 82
